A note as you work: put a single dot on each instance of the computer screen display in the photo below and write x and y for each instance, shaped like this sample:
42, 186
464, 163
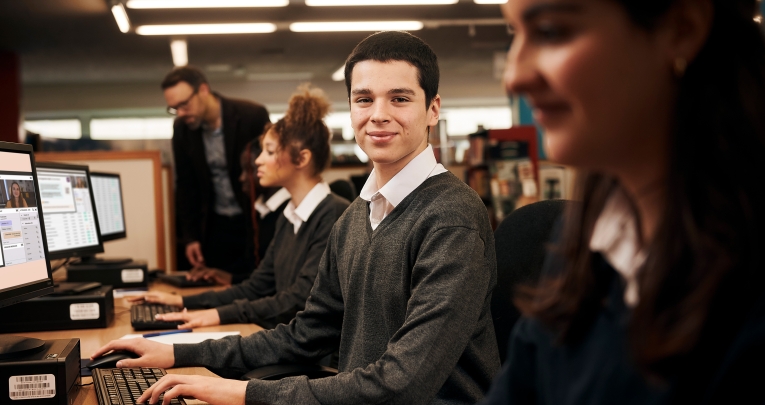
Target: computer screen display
108, 194
24, 270
71, 223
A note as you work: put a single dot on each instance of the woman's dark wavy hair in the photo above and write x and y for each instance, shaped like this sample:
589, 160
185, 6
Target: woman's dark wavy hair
302, 127
705, 266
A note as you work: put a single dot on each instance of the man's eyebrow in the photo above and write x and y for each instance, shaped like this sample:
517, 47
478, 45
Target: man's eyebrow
535, 10
356, 92
403, 90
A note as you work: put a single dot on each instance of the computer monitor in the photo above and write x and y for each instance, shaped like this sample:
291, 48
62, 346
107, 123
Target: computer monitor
25, 271
107, 190
71, 223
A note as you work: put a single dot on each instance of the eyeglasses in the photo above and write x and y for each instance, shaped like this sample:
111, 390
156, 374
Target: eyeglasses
182, 105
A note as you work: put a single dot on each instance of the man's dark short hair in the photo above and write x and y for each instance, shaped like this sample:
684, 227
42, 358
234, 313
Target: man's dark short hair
390, 46
189, 74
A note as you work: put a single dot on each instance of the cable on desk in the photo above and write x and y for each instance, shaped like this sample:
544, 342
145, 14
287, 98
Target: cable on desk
84, 385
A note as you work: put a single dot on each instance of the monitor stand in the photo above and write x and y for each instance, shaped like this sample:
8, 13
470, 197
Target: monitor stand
18, 346
95, 261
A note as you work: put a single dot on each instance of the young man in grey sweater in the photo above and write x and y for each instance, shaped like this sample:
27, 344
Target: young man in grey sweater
404, 286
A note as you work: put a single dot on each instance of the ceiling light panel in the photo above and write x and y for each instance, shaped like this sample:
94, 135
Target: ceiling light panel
203, 29
159, 4
490, 1
339, 74
180, 52
324, 3
356, 26
121, 17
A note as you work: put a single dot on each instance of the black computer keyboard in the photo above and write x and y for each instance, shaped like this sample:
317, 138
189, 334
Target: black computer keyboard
142, 317
123, 386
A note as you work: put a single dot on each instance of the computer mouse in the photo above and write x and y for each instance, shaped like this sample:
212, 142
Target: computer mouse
110, 360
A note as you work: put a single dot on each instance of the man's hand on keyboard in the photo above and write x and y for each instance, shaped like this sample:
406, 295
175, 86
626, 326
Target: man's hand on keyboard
217, 276
153, 354
212, 390
195, 319
158, 297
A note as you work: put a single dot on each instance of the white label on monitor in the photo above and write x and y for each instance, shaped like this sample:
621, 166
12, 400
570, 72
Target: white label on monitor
32, 386
132, 276
84, 311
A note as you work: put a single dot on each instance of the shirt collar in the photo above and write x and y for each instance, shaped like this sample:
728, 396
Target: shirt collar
273, 203
215, 131
616, 237
301, 213
405, 181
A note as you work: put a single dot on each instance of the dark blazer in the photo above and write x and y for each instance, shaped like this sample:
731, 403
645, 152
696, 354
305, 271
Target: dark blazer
243, 121
598, 368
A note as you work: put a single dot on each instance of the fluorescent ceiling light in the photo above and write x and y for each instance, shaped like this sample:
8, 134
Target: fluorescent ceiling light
205, 3
195, 29
490, 1
356, 26
322, 3
180, 52
121, 17
339, 74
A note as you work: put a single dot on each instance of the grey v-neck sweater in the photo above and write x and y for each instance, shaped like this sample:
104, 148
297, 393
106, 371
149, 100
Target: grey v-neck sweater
406, 304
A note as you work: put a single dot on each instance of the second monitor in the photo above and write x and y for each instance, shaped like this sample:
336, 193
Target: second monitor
71, 222
107, 190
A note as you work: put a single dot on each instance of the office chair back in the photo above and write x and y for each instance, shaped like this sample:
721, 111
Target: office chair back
343, 188
521, 243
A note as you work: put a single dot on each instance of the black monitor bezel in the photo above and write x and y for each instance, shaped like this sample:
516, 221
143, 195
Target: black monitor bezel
34, 289
79, 251
117, 235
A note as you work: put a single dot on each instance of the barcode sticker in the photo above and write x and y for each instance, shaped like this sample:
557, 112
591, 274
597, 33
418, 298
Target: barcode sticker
132, 276
32, 386
84, 311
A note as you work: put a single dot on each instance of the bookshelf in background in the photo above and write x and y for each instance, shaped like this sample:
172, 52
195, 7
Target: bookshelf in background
503, 168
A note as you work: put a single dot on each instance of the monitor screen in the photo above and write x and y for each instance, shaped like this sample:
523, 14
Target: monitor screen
71, 224
24, 271
111, 215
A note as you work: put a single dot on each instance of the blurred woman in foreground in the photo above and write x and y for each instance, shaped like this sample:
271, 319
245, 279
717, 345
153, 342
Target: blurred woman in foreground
654, 293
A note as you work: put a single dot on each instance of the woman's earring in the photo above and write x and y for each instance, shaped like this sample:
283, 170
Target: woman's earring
679, 66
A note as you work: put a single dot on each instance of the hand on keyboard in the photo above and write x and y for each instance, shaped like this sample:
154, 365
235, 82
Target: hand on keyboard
153, 354
217, 276
195, 319
212, 390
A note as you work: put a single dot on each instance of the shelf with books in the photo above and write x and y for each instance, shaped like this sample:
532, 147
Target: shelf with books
503, 167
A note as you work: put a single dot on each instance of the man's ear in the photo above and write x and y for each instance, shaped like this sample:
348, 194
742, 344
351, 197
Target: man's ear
434, 111
688, 24
304, 159
204, 89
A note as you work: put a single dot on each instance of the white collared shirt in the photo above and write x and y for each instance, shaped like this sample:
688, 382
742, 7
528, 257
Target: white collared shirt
383, 200
615, 236
276, 200
301, 213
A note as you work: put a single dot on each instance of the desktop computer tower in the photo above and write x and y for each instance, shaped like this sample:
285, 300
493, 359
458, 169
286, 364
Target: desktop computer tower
122, 275
48, 377
87, 310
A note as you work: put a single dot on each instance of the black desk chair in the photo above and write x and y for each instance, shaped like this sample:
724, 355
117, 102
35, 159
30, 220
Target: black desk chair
521, 244
344, 188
